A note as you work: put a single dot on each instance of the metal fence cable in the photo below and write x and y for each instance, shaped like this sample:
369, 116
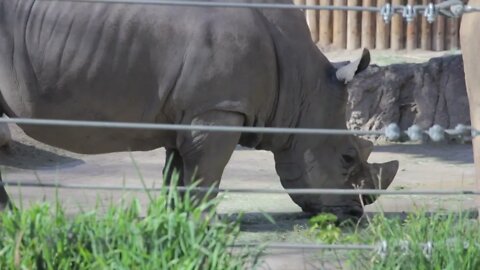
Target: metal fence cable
307, 246
245, 190
157, 126
391, 131
451, 8
380, 248
225, 4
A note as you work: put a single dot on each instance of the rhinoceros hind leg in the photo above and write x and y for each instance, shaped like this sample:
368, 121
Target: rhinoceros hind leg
173, 166
205, 154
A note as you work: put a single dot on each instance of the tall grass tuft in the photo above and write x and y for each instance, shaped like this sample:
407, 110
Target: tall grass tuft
175, 233
438, 241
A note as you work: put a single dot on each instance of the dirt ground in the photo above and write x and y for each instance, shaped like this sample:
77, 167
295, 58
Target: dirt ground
430, 166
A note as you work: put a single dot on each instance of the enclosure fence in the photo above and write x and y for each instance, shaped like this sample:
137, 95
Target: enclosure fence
345, 34
392, 132
352, 30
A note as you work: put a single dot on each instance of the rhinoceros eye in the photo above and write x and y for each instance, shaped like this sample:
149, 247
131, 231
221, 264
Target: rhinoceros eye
348, 160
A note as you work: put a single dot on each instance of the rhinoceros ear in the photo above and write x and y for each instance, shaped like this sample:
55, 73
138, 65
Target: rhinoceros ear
346, 72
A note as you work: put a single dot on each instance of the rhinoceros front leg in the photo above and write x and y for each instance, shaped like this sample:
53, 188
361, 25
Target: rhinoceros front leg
205, 154
4, 200
173, 165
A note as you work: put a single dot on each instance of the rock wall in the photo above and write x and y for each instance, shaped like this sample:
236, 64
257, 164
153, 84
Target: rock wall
424, 94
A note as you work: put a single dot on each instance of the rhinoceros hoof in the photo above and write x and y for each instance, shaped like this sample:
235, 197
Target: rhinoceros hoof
5, 135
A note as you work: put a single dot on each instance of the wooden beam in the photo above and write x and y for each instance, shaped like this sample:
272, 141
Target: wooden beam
368, 26
412, 30
397, 35
325, 25
382, 30
312, 19
339, 26
426, 33
439, 33
452, 34
353, 25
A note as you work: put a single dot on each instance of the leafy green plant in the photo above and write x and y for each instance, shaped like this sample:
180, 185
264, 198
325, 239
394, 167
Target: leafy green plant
323, 228
187, 235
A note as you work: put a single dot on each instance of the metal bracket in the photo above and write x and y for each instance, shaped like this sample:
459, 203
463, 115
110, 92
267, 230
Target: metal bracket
387, 12
431, 13
409, 13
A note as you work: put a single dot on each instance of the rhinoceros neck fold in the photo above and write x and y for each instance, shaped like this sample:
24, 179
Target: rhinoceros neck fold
301, 69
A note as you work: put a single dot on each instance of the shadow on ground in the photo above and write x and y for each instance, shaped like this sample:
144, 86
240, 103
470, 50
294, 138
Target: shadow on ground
268, 222
285, 222
452, 153
24, 156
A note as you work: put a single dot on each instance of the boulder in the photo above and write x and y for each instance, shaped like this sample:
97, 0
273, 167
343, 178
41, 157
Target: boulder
424, 94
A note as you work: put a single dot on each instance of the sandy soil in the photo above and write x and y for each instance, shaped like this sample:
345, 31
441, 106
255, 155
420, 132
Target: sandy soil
386, 57
429, 166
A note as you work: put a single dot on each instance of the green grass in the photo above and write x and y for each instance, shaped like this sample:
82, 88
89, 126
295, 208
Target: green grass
186, 236
455, 242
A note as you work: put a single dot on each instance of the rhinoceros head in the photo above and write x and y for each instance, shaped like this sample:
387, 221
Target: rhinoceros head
336, 163
332, 161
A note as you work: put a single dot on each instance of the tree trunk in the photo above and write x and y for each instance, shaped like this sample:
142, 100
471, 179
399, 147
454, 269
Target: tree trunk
470, 43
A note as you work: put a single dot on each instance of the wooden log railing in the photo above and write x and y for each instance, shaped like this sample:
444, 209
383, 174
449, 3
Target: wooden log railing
352, 30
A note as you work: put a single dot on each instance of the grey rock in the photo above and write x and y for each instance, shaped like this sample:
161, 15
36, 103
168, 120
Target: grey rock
426, 94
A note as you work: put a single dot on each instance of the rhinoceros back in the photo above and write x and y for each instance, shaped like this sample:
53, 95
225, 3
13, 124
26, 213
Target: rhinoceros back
140, 64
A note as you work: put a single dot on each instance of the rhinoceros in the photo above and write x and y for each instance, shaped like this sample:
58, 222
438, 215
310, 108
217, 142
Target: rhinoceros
470, 41
187, 65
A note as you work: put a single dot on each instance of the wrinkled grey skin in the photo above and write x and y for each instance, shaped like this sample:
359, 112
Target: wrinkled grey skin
185, 65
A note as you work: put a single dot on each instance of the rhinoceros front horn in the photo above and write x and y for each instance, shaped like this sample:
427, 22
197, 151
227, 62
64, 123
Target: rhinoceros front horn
382, 176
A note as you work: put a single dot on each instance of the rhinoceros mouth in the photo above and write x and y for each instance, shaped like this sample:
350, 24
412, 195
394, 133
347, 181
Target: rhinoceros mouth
342, 213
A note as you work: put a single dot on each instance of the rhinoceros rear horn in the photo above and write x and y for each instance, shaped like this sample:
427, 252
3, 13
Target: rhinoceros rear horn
346, 72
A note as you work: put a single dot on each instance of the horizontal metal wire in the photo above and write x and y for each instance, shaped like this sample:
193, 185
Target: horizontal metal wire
307, 246
225, 4
382, 248
175, 127
232, 4
245, 190
155, 126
